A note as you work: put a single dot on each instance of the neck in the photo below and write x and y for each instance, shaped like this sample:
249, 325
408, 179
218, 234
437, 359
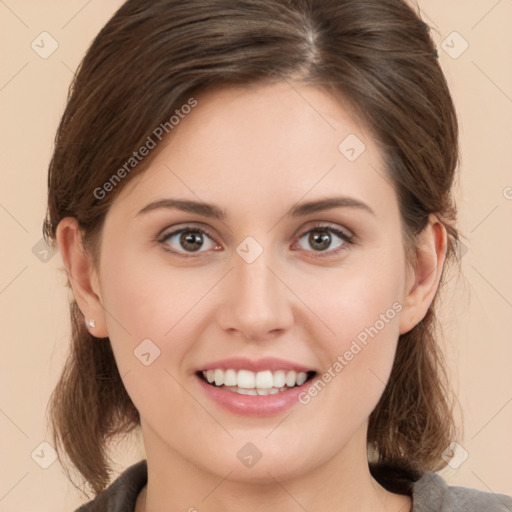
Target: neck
341, 484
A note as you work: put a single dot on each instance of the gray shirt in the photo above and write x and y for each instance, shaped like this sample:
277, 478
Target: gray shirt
429, 494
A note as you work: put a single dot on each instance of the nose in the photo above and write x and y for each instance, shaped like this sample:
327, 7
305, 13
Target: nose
256, 304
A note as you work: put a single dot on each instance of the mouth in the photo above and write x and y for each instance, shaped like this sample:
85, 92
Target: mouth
247, 382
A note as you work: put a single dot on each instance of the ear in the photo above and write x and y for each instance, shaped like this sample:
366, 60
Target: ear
424, 274
82, 275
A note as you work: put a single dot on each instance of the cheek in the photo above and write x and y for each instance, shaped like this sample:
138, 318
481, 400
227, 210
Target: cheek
148, 298
156, 310
150, 319
364, 296
363, 309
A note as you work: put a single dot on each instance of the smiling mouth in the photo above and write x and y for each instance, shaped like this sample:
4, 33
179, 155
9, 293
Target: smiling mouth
246, 382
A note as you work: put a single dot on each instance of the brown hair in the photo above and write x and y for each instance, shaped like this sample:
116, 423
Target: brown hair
153, 55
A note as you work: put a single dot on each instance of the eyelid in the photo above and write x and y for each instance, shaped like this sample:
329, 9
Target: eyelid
186, 226
163, 235
328, 226
348, 237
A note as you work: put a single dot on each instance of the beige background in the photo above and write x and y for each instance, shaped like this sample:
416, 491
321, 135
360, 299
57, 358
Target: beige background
33, 299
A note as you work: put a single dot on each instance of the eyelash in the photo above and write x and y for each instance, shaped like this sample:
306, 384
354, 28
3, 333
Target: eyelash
347, 239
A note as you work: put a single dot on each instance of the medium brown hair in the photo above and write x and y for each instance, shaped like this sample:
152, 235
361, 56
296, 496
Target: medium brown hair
148, 60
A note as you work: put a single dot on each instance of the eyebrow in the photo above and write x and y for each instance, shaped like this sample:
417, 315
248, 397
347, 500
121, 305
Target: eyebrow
299, 210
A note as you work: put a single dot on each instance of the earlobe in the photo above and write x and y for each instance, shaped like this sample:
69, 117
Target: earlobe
425, 277
81, 275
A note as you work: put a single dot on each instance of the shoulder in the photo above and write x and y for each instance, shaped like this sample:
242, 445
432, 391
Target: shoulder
121, 495
432, 494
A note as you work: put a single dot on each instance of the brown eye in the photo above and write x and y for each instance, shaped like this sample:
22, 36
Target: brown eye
188, 240
321, 238
191, 240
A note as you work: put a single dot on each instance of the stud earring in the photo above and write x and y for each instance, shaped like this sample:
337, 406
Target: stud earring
90, 323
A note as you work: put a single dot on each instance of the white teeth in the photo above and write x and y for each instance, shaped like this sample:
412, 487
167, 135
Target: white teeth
230, 378
264, 380
219, 377
254, 392
255, 383
279, 378
301, 378
245, 379
243, 391
291, 378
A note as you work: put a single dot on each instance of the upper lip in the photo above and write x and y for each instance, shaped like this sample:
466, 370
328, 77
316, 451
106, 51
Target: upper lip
266, 363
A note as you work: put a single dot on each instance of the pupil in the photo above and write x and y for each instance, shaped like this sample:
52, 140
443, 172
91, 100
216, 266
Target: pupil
323, 238
192, 240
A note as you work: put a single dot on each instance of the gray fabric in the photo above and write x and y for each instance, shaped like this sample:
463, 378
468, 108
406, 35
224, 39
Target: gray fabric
430, 494
121, 495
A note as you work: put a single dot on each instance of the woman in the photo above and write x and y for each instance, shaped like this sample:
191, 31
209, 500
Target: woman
253, 204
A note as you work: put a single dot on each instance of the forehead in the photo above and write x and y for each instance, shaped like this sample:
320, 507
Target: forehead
258, 143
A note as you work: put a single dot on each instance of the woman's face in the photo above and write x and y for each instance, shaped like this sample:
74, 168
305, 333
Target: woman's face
276, 285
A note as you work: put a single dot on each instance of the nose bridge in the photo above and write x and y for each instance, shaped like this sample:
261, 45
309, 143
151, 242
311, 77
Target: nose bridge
256, 302
254, 278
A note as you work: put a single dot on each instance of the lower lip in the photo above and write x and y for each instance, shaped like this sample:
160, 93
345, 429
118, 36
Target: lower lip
253, 405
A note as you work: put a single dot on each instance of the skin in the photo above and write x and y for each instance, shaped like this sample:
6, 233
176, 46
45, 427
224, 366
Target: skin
255, 152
